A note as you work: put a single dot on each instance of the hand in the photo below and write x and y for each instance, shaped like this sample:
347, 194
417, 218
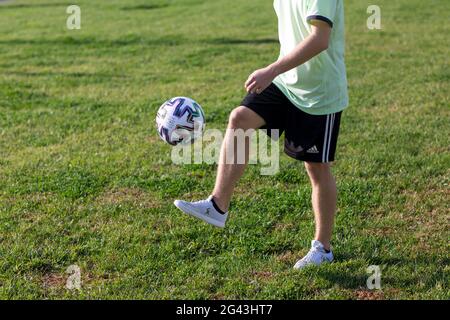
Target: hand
259, 80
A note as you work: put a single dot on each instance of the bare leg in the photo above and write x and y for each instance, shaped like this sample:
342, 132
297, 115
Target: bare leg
324, 198
229, 173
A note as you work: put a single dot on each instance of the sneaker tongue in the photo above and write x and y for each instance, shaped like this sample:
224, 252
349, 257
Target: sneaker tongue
317, 245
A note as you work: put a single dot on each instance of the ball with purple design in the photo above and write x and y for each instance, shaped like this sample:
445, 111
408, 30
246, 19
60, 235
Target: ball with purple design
180, 120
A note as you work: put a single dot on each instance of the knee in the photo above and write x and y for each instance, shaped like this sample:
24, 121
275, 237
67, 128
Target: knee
239, 118
317, 172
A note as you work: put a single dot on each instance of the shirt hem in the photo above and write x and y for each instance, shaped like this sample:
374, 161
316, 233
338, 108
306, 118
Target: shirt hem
316, 111
321, 18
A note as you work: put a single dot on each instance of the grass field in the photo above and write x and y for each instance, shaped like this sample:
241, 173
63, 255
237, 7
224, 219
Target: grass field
85, 180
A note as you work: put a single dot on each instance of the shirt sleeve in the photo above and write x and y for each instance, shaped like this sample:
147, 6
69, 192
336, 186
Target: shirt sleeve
324, 10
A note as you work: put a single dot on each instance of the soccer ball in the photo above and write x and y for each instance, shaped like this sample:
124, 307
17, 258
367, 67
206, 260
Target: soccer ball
180, 120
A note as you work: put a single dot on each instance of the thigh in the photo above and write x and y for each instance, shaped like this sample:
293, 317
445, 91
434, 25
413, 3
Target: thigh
245, 118
271, 106
312, 138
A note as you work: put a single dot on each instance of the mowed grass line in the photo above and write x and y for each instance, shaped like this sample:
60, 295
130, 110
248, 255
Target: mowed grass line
85, 180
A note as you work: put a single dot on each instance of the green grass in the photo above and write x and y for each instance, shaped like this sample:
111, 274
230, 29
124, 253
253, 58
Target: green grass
85, 180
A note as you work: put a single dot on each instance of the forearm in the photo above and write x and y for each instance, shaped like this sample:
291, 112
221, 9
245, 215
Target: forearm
305, 51
317, 42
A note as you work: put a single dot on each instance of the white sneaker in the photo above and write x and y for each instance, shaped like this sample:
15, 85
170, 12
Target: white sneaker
203, 210
315, 257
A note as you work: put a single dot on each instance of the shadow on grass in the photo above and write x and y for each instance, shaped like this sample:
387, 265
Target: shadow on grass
89, 41
233, 41
135, 40
64, 74
343, 279
354, 279
145, 7
395, 261
8, 5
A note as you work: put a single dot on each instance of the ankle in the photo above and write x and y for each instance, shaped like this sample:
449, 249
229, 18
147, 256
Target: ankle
326, 245
221, 205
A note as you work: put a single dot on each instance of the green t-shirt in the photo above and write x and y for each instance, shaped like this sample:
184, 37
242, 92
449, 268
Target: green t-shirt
319, 86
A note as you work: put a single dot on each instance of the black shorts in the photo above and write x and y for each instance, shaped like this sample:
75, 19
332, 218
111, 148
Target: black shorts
308, 138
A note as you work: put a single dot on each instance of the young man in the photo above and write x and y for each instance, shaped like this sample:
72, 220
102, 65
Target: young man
303, 94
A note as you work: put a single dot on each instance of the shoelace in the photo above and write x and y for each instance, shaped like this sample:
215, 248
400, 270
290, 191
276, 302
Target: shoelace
311, 253
202, 202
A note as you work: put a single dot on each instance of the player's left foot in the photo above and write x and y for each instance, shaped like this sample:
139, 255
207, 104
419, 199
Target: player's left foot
315, 257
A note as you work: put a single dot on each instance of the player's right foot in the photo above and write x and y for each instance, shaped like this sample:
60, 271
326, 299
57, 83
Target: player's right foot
205, 210
315, 257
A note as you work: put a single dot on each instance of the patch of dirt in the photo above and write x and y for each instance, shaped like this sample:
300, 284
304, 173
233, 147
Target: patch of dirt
364, 294
41, 197
58, 281
429, 216
36, 198
31, 200
54, 281
424, 218
286, 257
262, 274
381, 231
218, 296
283, 226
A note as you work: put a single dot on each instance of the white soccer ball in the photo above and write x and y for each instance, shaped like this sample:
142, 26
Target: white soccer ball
180, 120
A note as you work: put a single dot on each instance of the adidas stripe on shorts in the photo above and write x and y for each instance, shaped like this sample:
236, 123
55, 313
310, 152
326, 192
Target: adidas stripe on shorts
309, 138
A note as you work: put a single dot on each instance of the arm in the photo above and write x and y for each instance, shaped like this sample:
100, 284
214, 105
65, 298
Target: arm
314, 44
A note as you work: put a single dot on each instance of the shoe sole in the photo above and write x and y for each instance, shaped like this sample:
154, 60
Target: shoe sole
187, 210
312, 265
